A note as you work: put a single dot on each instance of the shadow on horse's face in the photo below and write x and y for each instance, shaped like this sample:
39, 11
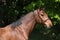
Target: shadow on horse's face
42, 17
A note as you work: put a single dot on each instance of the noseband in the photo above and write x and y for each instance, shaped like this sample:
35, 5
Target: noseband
46, 20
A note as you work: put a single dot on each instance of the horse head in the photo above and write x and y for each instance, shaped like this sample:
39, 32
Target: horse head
42, 17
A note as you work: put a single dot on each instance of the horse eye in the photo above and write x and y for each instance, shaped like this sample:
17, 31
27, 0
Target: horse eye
42, 15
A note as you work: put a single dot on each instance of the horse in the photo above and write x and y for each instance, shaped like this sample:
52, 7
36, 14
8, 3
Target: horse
21, 29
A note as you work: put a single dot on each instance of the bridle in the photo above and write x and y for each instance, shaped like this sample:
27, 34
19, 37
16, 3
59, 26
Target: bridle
41, 18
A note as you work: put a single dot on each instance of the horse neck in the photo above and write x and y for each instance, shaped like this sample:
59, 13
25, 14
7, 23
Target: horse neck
27, 23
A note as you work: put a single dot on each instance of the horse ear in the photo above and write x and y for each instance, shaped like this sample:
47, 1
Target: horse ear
43, 9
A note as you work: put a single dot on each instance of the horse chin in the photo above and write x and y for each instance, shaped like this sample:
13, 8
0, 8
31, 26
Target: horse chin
47, 26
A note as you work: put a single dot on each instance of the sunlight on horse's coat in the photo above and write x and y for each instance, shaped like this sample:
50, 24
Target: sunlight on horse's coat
20, 29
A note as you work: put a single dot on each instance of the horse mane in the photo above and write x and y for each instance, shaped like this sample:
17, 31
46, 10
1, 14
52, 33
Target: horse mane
19, 21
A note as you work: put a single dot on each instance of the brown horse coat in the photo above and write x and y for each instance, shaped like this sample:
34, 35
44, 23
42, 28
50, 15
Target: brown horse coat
20, 29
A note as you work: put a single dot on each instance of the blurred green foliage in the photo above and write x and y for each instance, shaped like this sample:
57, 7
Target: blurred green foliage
11, 10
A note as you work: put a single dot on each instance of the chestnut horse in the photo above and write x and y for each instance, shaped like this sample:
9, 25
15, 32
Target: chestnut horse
20, 29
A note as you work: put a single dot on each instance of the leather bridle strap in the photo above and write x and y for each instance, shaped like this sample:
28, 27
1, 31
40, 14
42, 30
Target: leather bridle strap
41, 18
46, 20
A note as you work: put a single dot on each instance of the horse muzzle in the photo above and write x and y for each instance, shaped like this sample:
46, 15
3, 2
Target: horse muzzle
48, 24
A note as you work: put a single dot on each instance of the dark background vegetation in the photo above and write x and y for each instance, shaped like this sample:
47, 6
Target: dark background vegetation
11, 10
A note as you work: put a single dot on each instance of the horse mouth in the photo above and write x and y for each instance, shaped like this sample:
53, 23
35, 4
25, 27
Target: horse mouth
48, 24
